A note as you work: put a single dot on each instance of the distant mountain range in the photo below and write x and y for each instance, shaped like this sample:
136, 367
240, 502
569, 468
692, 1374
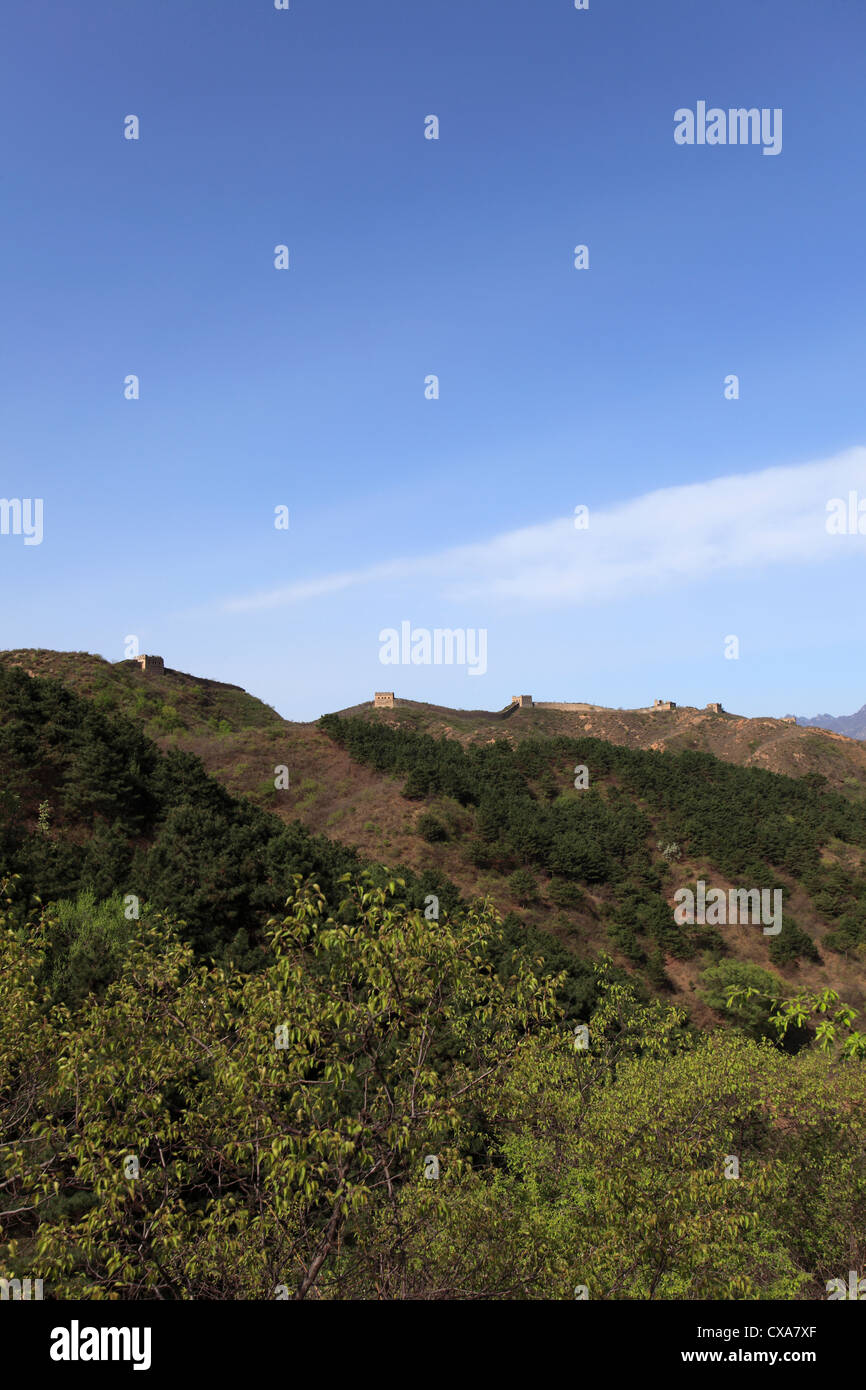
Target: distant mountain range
852, 725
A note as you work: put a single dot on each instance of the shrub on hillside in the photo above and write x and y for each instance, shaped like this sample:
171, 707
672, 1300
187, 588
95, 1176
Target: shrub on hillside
523, 887
431, 828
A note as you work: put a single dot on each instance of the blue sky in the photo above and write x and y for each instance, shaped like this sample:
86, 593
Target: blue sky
454, 257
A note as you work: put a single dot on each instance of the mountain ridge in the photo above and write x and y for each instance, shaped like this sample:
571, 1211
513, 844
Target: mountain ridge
851, 725
225, 724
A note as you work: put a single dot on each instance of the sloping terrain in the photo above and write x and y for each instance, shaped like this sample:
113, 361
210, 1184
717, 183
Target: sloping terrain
173, 705
774, 744
350, 778
163, 702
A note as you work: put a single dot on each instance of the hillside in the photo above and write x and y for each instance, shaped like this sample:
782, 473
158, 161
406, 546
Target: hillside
174, 707
777, 745
350, 786
162, 702
251, 1012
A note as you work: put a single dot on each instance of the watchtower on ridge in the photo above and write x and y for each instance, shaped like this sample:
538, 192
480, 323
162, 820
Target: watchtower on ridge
151, 663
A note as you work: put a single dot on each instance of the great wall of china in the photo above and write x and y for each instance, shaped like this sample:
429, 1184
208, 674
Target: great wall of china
385, 699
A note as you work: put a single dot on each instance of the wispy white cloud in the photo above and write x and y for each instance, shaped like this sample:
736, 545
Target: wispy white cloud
325, 584
662, 538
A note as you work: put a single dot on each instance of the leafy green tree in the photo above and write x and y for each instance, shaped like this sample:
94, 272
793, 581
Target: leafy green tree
610, 1168
834, 1026
202, 1133
742, 992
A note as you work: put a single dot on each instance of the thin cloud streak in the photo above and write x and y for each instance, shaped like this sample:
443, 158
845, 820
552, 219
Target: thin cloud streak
663, 538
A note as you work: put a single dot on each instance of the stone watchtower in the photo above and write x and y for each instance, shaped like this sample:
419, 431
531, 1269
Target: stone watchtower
524, 701
664, 704
151, 663
715, 708
383, 699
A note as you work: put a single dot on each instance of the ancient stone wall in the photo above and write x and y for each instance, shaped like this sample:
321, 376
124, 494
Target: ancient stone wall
579, 708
